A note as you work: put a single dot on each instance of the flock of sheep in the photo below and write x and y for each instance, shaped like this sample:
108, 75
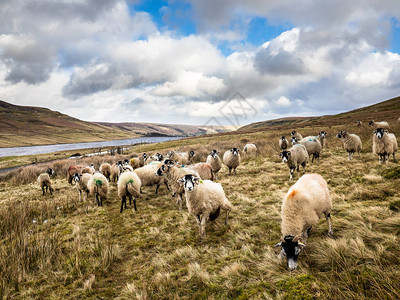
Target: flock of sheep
302, 206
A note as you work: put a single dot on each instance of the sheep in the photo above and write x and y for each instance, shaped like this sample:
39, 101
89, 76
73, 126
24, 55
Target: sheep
204, 200
320, 137
215, 162
44, 181
313, 147
302, 207
382, 124
129, 186
181, 158
172, 173
81, 183
203, 169
137, 162
105, 169
293, 140
89, 169
294, 157
351, 143
297, 135
250, 149
72, 170
231, 159
283, 143
359, 123
148, 177
116, 170
384, 144
98, 187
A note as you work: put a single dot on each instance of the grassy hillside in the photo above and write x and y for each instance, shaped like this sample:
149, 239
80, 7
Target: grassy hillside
28, 125
384, 111
62, 249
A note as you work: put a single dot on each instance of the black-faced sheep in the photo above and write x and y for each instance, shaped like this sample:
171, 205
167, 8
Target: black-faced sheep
137, 162
215, 162
44, 181
105, 169
204, 200
181, 158
294, 157
384, 144
313, 147
89, 170
129, 186
148, 177
302, 207
81, 183
116, 170
72, 170
283, 143
98, 187
297, 135
231, 159
351, 143
382, 124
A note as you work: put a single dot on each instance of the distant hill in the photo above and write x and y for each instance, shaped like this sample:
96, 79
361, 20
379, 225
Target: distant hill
388, 110
29, 125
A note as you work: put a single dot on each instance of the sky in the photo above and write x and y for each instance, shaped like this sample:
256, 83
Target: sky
229, 62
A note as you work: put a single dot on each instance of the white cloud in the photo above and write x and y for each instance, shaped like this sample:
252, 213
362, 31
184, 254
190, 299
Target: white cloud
282, 102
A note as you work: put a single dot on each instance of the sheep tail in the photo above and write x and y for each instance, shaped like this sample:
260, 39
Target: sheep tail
131, 190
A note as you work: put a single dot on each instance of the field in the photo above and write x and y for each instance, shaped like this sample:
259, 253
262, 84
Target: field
55, 247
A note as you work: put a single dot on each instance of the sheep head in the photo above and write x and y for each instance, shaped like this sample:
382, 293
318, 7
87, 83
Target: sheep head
189, 181
291, 248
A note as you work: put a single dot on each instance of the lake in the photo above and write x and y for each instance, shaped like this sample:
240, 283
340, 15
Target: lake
33, 150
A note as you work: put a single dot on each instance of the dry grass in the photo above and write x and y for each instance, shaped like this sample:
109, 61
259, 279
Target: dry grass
61, 251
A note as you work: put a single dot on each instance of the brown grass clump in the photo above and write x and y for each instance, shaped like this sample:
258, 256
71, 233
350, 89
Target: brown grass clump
61, 249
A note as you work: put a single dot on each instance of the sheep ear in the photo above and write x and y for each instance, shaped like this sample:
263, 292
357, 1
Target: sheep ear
296, 238
196, 180
374, 131
288, 153
280, 154
181, 181
386, 130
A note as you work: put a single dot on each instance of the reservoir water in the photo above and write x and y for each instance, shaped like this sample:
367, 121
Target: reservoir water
33, 150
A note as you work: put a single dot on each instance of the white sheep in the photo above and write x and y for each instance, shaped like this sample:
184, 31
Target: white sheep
81, 183
137, 162
203, 169
294, 157
204, 200
105, 169
283, 143
148, 177
382, 124
89, 169
231, 159
215, 162
44, 181
313, 147
359, 123
172, 173
351, 143
302, 207
129, 186
98, 187
384, 144
297, 135
250, 149
182, 158
116, 170
72, 170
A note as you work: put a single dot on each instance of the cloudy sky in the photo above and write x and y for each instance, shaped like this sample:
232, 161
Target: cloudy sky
180, 61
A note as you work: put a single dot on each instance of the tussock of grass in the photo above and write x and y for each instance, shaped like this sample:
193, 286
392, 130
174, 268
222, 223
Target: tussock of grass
72, 252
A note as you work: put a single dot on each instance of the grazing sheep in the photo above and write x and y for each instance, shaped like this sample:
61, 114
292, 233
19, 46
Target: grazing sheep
98, 187
105, 169
313, 147
204, 200
297, 135
351, 143
44, 181
89, 170
81, 183
283, 143
172, 173
250, 149
148, 177
382, 124
116, 170
384, 144
294, 157
181, 158
215, 162
203, 169
137, 162
321, 137
302, 207
359, 123
129, 186
231, 159
72, 170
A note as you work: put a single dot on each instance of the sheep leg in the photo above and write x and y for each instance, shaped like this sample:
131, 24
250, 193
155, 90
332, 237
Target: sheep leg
291, 173
134, 203
349, 153
47, 189
215, 176
329, 220
312, 160
130, 200
79, 193
387, 159
166, 184
203, 225
157, 188
123, 200
394, 158
141, 190
43, 190
101, 201
230, 169
51, 191
304, 167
